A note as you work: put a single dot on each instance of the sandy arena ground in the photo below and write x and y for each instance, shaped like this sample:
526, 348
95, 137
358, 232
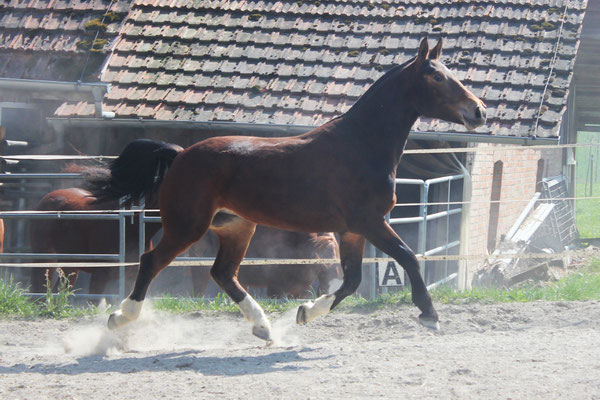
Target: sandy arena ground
509, 351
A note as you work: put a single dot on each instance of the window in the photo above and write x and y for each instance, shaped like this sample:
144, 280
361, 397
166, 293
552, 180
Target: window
495, 205
539, 175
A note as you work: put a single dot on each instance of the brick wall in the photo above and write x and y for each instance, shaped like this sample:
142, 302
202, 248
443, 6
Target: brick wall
518, 185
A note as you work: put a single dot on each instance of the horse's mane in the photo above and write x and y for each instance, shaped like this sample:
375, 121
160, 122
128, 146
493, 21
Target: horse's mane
380, 82
326, 242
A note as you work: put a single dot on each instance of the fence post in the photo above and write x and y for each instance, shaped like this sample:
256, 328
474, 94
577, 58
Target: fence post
592, 178
421, 247
122, 255
369, 274
142, 228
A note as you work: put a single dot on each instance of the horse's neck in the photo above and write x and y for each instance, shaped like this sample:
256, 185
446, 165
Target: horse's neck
382, 120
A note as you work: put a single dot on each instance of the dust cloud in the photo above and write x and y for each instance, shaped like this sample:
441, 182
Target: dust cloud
155, 331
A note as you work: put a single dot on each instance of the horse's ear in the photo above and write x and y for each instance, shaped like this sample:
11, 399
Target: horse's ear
436, 52
423, 51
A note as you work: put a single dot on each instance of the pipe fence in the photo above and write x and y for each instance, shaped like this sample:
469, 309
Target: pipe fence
118, 259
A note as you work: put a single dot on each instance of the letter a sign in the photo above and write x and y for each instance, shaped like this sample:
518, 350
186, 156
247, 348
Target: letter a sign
390, 273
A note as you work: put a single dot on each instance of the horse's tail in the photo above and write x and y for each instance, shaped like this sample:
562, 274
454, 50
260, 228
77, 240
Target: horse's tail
137, 172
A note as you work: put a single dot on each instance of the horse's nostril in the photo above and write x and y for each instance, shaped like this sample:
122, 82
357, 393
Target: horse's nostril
478, 113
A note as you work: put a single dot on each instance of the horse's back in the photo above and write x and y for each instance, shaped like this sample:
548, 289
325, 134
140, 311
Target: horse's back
66, 200
280, 182
72, 236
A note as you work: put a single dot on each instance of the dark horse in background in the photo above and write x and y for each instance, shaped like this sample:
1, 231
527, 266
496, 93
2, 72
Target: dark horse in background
339, 177
97, 236
81, 236
280, 280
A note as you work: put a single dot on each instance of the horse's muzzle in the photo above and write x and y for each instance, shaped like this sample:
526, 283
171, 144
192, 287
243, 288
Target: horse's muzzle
475, 117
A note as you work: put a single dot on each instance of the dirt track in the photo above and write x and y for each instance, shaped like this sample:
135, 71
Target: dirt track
534, 350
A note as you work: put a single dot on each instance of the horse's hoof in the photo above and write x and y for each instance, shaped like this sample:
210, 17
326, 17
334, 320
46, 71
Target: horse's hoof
301, 317
430, 323
112, 324
116, 320
262, 332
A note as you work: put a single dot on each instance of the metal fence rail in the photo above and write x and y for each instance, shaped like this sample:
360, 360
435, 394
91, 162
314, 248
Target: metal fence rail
66, 215
120, 215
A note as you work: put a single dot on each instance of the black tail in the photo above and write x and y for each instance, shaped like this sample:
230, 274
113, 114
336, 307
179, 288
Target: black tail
137, 172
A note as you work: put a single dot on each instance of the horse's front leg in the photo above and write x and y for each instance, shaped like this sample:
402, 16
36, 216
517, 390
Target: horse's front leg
352, 247
382, 236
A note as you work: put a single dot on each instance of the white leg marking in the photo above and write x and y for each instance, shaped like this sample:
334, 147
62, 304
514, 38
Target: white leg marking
130, 311
334, 285
321, 306
261, 327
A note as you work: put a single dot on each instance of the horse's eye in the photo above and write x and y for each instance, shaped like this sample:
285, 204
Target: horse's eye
438, 77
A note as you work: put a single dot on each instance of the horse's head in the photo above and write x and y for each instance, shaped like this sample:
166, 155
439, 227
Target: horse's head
437, 93
330, 275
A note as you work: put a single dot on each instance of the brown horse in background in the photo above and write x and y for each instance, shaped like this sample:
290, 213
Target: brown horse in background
97, 236
280, 281
81, 236
339, 177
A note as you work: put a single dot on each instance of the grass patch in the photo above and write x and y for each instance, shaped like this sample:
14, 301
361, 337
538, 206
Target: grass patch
581, 286
221, 303
587, 212
13, 300
14, 303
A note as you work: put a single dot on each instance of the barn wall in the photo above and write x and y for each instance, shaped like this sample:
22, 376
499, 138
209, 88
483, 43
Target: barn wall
519, 176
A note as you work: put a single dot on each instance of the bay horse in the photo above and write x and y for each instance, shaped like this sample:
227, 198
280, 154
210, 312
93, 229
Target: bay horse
280, 281
339, 177
82, 236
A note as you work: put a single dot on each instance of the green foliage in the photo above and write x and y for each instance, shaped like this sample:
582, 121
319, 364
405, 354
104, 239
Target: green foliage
221, 303
58, 304
544, 26
87, 44
95, 25
587, 211
581, 286
13, 300
113, 16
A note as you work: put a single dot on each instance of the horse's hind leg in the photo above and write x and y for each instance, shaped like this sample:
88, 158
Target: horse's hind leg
234, 237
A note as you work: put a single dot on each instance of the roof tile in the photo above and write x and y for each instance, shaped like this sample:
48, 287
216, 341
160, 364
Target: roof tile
305, 62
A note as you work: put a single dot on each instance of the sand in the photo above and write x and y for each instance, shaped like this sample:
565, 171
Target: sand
536, 350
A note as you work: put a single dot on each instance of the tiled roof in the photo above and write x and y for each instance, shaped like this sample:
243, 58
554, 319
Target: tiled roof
51, 39
305, 61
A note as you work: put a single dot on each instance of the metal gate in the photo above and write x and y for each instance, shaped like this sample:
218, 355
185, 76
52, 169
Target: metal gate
443, 238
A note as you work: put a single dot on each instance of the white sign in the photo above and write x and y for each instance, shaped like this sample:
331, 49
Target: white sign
390, 273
